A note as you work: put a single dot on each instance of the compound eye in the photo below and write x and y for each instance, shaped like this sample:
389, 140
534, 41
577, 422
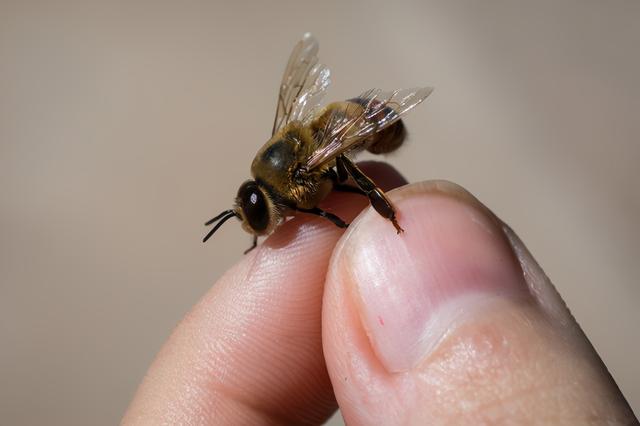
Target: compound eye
254, 206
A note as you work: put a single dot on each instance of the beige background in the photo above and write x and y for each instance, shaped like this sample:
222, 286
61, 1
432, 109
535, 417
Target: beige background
124, 126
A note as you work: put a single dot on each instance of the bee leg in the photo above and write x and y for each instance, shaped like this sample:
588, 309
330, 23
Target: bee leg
376, 196
342, 172
341, 187
332, 217
253, 245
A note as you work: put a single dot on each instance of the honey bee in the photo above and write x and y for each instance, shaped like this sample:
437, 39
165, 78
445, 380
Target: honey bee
310, 150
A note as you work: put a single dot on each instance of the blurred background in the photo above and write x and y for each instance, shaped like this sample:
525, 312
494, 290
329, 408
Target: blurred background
125, 125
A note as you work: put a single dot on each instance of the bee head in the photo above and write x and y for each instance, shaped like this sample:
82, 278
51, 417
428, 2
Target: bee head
254, 208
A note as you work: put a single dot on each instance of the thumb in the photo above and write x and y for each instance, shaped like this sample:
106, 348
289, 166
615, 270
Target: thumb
441, 324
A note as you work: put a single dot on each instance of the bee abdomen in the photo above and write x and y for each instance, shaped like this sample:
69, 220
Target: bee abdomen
388, 139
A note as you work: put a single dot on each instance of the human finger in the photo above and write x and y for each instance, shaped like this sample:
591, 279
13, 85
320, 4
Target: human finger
250, 351
453, 322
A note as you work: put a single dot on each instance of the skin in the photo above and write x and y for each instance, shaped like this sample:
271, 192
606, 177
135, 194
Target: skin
452, 322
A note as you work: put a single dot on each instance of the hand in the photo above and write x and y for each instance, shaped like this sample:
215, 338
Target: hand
451, 322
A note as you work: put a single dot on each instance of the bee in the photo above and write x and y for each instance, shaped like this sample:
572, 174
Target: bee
311, 148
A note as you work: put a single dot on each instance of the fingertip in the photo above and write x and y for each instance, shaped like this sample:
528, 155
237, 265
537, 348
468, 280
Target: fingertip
432, 325
450, 256
251, 349
386, 294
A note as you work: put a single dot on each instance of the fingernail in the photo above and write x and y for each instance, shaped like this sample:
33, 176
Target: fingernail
411, 289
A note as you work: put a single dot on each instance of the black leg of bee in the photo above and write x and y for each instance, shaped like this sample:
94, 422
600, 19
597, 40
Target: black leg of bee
253, 245
376, 196
332, 217
341, 171
341, 187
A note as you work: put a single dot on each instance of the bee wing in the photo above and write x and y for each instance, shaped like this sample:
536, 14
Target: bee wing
303, 84
372, 111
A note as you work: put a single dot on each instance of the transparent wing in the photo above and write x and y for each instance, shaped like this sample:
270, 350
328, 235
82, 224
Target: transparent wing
303, 84
371, 112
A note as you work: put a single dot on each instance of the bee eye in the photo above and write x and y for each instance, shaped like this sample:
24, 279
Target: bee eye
254, 206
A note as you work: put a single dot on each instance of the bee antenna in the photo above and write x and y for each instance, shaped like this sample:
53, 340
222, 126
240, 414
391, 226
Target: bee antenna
224, 216
224, 213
